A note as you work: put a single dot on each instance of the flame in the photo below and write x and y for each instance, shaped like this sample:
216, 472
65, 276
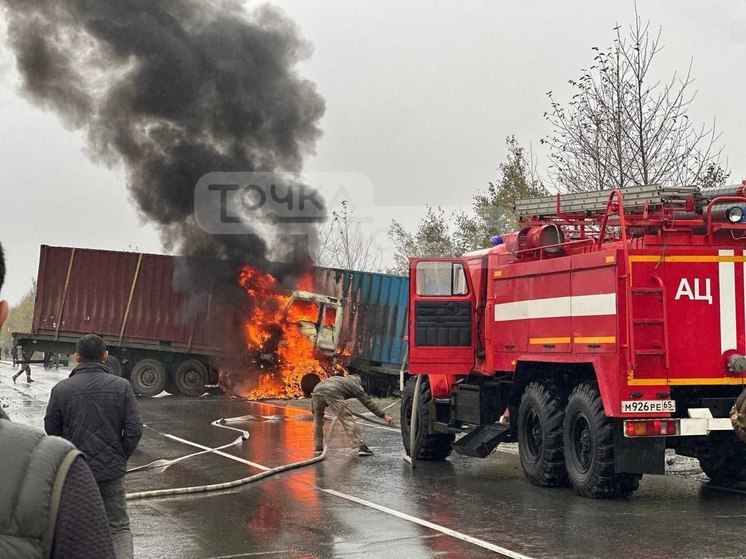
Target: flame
277, 339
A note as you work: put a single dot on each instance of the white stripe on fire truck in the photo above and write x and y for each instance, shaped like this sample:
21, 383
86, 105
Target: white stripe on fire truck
557, 307
727, 283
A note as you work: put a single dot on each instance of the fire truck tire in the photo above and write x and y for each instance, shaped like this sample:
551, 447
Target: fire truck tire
148, 377
724, 460
589, 448
190, 377
429, 446
540, 418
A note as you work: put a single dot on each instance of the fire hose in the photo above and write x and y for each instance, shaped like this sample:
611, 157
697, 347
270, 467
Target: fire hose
238, 482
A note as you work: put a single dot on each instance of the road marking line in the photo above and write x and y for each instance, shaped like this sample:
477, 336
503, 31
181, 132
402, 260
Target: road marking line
197, 445
236, 458
426, 524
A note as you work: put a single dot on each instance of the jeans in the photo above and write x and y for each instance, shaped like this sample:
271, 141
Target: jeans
113, 494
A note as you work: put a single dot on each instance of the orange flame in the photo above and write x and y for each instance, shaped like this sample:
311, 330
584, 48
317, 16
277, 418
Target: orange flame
277, 338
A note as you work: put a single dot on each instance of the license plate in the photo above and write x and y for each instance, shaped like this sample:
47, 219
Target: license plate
648, 406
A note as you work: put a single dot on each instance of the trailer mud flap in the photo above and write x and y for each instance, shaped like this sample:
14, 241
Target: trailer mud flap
640, 455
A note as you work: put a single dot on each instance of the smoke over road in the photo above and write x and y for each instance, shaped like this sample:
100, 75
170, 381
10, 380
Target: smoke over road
174, 89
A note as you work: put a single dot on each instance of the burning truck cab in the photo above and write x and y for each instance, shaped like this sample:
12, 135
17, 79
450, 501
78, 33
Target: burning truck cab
291, 339
611, 327
319, 318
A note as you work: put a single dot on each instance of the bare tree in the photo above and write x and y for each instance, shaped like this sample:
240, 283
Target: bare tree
623, 128
433, 237
20, 318
344, 244
441, 233
492, 211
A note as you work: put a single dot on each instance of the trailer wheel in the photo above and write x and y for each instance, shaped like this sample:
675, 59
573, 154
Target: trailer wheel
589, 448
429, 447
114, 366
190, 377
540, 449
148, 377
724, 458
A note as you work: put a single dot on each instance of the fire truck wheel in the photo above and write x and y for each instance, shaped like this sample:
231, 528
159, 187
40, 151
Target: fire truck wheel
724, 458
148, 377
190, 377
540, 418
429, 447
589, 448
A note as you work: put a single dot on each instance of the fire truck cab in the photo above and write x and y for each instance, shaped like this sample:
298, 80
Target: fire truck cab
610, 327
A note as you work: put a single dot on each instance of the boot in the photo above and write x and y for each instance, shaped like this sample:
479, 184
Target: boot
29, 379
14, 378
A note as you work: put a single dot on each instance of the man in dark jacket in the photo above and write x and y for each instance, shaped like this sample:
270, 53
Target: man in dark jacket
332, 393
97, 412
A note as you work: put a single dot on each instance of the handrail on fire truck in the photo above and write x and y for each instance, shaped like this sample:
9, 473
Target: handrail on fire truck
611, 209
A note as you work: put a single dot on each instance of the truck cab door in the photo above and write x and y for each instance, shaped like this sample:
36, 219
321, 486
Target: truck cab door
442, 329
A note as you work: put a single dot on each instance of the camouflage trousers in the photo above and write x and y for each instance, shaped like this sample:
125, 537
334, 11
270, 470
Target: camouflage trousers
339, 407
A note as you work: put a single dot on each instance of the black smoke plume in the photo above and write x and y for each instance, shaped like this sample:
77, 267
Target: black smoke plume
174, 89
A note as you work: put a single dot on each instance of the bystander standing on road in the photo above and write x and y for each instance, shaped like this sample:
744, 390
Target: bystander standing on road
332, 393
50, 505
25, 367
97, 412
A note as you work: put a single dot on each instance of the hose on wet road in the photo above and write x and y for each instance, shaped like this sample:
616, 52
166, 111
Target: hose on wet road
235, 483
238, 482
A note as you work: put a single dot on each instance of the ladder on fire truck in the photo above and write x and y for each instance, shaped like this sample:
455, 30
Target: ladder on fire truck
595, 203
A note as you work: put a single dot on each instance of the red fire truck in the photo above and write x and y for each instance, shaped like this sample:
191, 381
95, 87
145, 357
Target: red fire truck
611, 327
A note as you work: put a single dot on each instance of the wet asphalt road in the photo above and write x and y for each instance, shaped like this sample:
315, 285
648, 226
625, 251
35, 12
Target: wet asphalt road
346, 506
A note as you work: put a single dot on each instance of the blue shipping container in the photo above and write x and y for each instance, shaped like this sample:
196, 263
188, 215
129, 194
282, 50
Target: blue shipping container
374, 317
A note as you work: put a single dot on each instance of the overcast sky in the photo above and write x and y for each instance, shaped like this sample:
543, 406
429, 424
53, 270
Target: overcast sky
420, 97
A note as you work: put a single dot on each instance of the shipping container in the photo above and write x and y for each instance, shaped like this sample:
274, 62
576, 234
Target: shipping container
159, 336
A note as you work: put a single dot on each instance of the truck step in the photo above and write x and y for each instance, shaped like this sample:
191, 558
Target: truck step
480, 442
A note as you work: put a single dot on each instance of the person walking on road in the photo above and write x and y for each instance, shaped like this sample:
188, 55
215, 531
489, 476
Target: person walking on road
332, 393
97, 412
25, 367
50, 505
